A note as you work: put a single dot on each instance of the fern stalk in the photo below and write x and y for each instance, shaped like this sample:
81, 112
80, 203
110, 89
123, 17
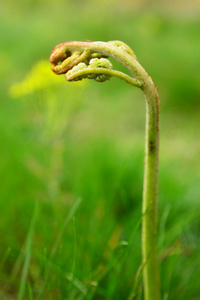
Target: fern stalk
78, 60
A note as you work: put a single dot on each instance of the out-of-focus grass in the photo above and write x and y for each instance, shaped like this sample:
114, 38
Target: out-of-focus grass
61, 142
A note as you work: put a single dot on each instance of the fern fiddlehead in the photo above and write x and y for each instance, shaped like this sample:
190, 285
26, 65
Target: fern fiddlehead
87, 64
78, 60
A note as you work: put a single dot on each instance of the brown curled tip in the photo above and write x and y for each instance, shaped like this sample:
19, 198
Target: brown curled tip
64, 60
58, 54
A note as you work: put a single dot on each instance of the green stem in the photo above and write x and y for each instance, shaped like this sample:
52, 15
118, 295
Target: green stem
112, 73
150, 190
125, 56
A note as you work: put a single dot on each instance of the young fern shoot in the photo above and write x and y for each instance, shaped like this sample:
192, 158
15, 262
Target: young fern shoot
78, 60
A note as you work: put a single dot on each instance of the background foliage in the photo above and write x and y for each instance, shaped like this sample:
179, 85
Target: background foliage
76, 149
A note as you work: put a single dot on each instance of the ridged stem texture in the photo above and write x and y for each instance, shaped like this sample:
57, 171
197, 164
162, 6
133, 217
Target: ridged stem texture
78, 60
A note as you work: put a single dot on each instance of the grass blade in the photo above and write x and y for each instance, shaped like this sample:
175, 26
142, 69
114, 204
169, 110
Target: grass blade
28, 249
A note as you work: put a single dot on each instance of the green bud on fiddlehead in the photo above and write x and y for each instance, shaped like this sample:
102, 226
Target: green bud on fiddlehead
95, 70
75, 69
100, 63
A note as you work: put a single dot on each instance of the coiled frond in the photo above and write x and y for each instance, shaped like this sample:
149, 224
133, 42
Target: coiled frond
87, 61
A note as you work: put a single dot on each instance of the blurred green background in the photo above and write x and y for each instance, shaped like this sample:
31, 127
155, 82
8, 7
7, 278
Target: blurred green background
71, 154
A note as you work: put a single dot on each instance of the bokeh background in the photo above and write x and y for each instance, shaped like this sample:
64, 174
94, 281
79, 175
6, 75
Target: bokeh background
71, 154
